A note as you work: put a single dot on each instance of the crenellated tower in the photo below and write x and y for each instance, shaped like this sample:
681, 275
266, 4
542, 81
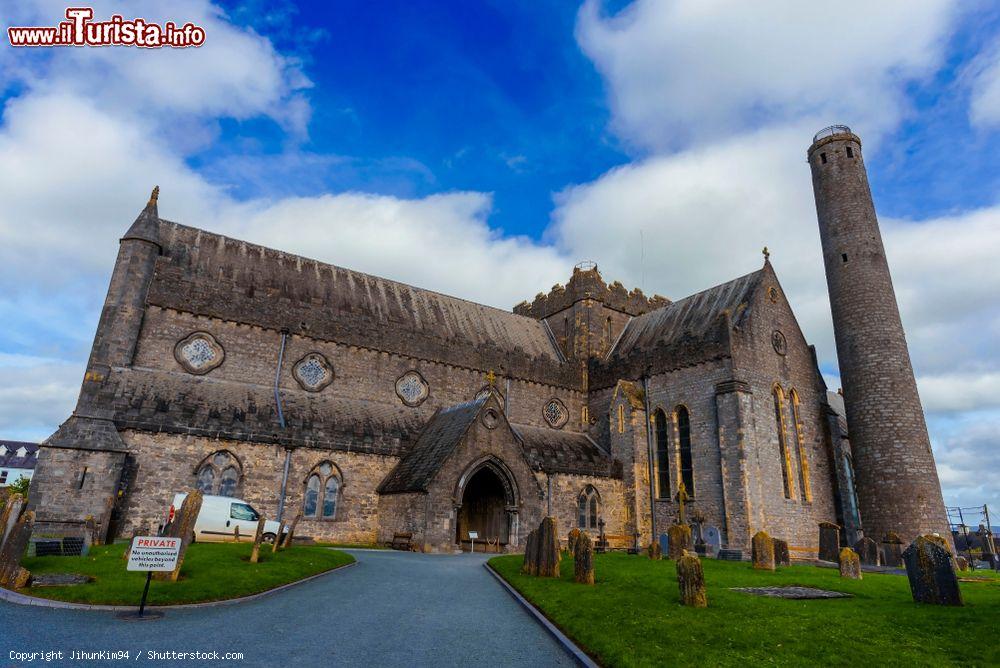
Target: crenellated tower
897, 481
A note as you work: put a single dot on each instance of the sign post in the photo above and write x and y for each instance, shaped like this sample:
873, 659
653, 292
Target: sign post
151, 553
473, 535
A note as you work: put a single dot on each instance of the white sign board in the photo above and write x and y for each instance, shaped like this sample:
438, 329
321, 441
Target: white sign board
473, 535
154, 553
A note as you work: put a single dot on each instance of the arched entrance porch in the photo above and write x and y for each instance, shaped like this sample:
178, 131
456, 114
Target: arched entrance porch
487, 503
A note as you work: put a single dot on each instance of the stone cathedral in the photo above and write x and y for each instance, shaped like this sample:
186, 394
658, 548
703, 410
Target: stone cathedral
369, 407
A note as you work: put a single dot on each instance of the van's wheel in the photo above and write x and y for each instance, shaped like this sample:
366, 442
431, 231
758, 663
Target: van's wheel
268, 538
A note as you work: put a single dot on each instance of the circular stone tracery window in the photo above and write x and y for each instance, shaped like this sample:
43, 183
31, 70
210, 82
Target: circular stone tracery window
779, 343
411, 388
555, 413
490, 418
313, 372
199, 353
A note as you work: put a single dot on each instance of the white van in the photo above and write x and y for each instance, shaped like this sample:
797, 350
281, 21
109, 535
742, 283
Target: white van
220, 516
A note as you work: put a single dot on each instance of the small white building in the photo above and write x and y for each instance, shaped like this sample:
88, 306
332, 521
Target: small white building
17, 460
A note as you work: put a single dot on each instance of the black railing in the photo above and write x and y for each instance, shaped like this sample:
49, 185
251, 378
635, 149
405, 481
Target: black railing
831, 130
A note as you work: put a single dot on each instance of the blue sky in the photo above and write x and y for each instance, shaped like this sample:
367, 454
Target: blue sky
481, 149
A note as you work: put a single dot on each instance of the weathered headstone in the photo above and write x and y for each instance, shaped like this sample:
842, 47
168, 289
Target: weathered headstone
258, 538
11, 573
829, 542
583, 560
931, 574
762, 551
548, 549
654, 551
961, 563
781, 554
571, 539
713, 540
182, 527
850, 564
867, 551
290, 536
679, 539
691, 581
11, 513
276, 545
530, 566
892, 550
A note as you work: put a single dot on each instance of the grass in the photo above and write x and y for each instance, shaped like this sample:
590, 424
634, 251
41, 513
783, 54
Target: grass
211, 572
631, 617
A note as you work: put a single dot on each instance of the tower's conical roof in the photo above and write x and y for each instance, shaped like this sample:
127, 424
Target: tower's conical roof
147, 225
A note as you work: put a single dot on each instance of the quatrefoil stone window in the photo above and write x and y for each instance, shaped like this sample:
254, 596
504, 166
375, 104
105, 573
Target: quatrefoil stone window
313, 372
199, 353
555, 413
412, 389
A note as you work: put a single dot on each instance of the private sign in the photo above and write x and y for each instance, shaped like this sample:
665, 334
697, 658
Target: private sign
154, 553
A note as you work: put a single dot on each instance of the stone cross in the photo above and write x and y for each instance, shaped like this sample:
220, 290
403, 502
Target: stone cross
257, 539
491, 378
691, 581
583, 560
681, 497
678, 540
11, 573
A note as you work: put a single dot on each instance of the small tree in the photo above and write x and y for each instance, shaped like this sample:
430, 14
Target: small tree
20, 486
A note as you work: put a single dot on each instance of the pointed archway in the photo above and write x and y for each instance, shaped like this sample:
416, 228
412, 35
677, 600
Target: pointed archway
488, 505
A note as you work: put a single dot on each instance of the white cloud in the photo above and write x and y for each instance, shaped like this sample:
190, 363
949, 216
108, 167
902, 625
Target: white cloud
983, 77
36, 394
685, 70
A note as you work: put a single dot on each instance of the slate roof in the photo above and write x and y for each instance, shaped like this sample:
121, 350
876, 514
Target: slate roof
557, 451
691, 318
436, 442
10, 460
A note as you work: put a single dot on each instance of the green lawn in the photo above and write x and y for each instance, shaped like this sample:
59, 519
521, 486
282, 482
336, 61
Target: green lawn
631, 617
211, 572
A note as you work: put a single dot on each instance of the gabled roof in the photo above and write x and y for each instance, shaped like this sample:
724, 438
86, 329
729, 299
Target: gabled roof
692, 318
9, 458
633, 394
440, 437
557, 451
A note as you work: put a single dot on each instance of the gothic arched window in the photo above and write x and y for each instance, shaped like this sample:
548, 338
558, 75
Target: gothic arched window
588, 506
221, 474
779, 424
322, 492
800, 443
662, 455
684, 441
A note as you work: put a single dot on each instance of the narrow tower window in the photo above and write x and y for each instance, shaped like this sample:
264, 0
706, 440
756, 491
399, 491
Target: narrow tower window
779, 423
850, 152
684, 440
843, 256
662, 455
800, 443
621, 418
822, 156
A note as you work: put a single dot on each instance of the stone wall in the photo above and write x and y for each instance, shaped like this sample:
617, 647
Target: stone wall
70, 485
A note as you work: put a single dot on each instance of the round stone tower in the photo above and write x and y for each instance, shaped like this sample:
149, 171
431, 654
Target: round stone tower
897, 481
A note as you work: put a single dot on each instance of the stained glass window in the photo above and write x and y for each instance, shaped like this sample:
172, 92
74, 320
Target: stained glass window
206, 480
330, 497
588, 509
228, 482
312, 496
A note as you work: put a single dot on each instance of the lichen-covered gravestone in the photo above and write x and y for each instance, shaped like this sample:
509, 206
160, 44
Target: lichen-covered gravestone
182, 527
11, 513
548, 549
276, 545
931, 573
291, 532
867, 551
850, 564
11, 573
530, 566
654, 551
892, 550
961, 563
257, 539
691, 581
829, 541
678, 540
583, 560
571, 539
781, 554
763, 551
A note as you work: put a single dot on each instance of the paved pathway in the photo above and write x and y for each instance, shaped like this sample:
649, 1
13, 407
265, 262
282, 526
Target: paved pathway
392, 608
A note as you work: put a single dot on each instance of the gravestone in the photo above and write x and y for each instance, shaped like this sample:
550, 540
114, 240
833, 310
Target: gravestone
530, 566
691, 581
762, 551
850, 564
713, 541
548, 549
182, 527
276, 545
867, 551
931, 573
781, 555
11, 573
829, 542
679, 539
654, 552
291, 532
571, 539
961, 563
583, 560
892, 550
664, 544
258, 537
9, 516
